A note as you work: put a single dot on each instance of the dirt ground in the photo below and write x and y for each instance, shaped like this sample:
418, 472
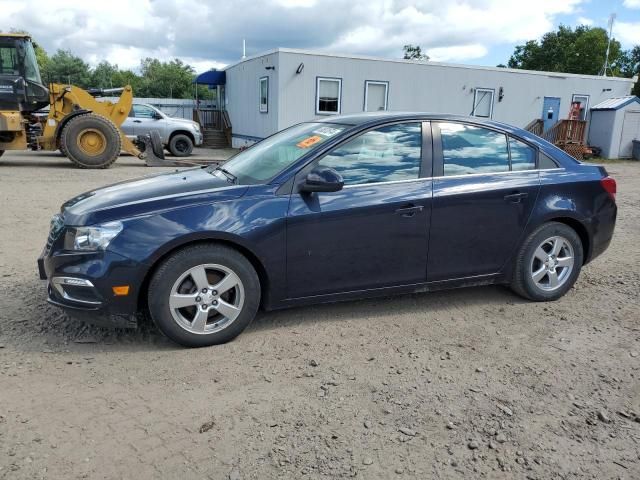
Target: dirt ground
471, 383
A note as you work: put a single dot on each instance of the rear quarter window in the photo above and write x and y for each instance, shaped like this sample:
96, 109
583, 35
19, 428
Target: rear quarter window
545, 162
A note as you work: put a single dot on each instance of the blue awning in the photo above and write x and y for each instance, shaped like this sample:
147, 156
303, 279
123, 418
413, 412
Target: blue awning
211, 78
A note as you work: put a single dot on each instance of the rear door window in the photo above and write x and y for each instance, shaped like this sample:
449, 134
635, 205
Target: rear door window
468, 149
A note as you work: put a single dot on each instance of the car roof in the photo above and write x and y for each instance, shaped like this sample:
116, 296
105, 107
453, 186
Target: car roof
357, 119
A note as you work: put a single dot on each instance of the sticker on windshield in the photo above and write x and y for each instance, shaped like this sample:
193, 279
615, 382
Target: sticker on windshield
327, 131
308, 142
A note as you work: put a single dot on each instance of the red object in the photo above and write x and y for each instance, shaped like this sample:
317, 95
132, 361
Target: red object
609, 184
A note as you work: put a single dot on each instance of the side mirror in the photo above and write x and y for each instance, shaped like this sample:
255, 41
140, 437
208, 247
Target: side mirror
157, 116
322, 179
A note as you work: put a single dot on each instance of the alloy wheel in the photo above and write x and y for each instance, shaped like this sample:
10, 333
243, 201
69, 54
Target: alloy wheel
206, 298
552, 263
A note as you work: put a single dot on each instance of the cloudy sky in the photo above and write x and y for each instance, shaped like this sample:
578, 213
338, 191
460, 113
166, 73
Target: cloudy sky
209, 33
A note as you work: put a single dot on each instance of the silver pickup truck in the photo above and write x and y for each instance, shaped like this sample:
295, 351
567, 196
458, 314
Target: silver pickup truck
178, 135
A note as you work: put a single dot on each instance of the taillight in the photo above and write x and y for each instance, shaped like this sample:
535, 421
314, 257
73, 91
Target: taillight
609, 184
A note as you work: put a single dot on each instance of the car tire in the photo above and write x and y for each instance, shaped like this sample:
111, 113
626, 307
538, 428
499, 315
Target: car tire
180, 145
91, 141
548, 263
185, 305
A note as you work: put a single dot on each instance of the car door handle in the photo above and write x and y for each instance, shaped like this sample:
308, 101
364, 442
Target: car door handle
515, 197
409, 211
137, 121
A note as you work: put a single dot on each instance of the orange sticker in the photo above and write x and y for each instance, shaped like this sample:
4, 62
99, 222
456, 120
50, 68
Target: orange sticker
307, 142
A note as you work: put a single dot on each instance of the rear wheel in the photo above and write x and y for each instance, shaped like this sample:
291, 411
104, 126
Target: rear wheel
548, 263
180, 145
91, 141
204, 295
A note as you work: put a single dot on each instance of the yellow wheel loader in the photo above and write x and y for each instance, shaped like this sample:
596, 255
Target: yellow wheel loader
84, 129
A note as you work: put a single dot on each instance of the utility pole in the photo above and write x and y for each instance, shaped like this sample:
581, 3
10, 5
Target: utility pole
606, 67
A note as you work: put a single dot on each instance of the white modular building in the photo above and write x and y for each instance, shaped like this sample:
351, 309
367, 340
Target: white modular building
274, 90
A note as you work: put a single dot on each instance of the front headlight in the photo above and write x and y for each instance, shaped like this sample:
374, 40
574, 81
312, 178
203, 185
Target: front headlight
95, 237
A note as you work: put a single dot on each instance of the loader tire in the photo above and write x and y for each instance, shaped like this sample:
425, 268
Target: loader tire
91, 141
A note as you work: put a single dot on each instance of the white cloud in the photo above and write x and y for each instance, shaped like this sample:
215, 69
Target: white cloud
210, 33
628, 33
631, 3
457, 54
584, 21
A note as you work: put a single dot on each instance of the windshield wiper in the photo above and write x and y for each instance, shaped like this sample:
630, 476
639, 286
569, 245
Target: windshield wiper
230, 176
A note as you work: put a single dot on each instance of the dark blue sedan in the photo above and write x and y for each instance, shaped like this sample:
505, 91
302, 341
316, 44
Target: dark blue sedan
343, 208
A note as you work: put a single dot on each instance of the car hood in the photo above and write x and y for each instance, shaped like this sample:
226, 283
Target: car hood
148, 195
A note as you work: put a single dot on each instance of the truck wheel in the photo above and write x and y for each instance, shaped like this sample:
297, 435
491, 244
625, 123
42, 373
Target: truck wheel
91, 141
180, 145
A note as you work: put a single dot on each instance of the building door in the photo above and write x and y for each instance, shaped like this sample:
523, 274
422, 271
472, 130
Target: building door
550, 112
630, 132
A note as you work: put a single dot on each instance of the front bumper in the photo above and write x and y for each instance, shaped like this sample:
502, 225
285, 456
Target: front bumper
198, 138
82, 284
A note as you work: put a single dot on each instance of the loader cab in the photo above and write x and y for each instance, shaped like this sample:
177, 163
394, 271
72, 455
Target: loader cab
21, 88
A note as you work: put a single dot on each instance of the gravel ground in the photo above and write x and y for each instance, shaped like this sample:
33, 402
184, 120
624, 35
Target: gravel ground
470, 383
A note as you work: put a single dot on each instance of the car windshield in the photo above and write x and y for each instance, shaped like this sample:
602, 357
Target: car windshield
266, 159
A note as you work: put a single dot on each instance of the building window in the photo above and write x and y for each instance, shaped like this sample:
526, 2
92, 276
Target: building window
483, 103
264, 94
583, 100
376, 95
328, 93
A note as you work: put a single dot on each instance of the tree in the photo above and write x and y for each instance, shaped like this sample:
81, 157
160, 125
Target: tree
103, 75
166, 79
414, 52
630, 66
64, 67
582, 50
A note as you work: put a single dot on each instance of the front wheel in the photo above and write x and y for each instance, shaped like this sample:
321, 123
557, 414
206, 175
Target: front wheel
180, 145
548, 263
91, 141
203, 295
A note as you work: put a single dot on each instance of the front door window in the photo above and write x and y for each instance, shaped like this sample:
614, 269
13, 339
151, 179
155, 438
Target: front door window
386, 154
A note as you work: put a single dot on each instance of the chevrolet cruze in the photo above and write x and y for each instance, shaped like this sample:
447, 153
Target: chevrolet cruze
342, 208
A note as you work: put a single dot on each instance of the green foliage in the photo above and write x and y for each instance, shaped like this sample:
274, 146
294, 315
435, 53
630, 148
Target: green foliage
414, 52
582, 51
65, 67
172, 79
166, 79
566, 50
630, 66
103, 74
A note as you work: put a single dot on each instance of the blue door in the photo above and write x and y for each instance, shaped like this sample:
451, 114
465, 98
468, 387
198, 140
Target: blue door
550, 112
